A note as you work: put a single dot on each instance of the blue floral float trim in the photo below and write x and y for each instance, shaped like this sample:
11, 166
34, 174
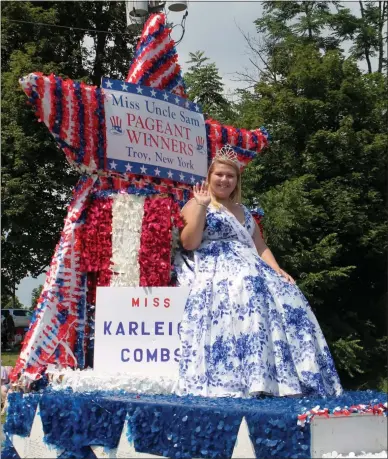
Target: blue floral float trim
8, 451
72, 421
179, 431
83, 453
278, 436
20, 413
172, 426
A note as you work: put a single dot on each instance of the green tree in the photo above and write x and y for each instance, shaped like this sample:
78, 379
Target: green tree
305, 19
322, 186
35, 295
12, 304
368, 32
204, 86
36, 179
327, 24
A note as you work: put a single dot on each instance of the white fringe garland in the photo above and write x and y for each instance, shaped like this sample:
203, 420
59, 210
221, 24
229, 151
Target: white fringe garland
127, 218
90, 380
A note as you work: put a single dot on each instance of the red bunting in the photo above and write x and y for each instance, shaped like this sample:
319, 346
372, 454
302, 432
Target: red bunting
160, 214
97, 241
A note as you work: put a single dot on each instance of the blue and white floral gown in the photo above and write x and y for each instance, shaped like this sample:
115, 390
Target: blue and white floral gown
245, 329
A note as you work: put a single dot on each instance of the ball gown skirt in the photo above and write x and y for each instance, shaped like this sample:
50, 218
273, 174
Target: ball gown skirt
246, 330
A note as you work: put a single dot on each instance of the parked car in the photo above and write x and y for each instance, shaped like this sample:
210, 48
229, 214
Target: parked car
21, 317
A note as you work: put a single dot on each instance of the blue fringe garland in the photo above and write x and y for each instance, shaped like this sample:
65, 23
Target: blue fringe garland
146, 191
255, 139
90, 314
58, 106
246, 153
81, 123
266, 133
257, 211
147, 41
239, 138
174, 82
101, 126
79, 350
163, 59
224, 135
176, 427
209, 145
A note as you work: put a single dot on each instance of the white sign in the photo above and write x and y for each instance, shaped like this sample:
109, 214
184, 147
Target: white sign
137, 329
155, 133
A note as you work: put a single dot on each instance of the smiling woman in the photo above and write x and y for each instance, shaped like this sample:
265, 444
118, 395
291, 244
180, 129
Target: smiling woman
247, 329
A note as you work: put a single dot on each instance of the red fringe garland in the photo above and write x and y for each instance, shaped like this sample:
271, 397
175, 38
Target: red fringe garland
97, 241
149, 29
215, 136
144, 59
160, 214
91, 288
169, 65
65, 109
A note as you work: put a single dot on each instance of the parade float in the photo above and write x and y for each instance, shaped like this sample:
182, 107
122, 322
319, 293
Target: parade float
93, 378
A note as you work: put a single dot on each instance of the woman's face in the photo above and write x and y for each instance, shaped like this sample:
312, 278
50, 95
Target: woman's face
223, 181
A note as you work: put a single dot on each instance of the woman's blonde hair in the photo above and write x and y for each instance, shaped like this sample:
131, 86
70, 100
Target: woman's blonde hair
235, 195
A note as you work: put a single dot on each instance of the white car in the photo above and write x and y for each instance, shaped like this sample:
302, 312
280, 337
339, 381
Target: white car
21, 317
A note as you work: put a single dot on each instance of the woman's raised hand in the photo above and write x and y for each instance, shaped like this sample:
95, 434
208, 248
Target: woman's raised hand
202, 194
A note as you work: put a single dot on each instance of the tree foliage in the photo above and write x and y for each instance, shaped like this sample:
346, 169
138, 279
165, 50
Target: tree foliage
35, 295
322, 183
36, 179
204, 85
12, 303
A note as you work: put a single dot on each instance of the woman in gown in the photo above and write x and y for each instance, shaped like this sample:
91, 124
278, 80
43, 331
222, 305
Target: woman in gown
247, 328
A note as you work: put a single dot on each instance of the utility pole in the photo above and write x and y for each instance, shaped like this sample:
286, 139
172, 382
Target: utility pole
139, 10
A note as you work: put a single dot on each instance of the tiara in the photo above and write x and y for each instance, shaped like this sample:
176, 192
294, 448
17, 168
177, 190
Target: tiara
226, 152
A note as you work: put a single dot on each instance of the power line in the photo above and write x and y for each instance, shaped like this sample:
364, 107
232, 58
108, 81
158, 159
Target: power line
68, 27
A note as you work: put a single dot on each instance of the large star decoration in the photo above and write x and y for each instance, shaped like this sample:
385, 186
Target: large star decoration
74, 112
75, 115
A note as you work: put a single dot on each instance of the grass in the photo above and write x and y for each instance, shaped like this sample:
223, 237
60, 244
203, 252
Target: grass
8, 358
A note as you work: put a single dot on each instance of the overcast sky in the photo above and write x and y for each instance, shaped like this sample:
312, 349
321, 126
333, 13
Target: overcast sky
212, 27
